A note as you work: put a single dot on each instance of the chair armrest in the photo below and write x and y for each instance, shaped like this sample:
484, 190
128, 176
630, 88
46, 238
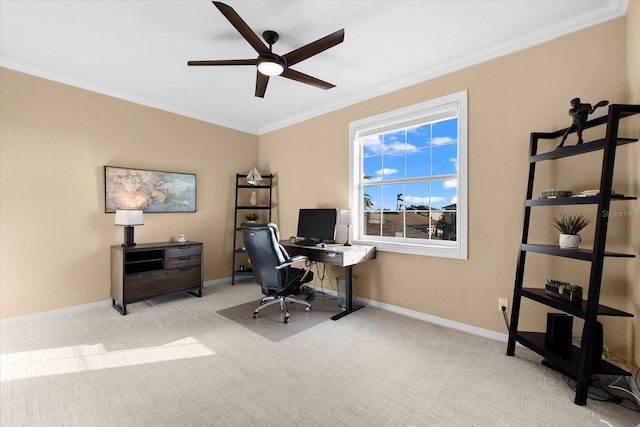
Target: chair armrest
292, 260
297, 258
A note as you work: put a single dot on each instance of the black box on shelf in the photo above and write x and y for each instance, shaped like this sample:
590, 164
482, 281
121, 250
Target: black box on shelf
558, 336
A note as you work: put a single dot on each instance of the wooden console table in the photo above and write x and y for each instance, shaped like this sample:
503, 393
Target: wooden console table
150, 270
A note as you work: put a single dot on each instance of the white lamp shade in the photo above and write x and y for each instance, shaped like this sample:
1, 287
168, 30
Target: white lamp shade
129, 217
346, 216
254, 177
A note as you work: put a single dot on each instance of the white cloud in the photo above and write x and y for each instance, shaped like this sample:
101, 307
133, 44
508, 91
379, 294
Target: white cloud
450, 183
454, 160
375, 145
413, 200
386, 172
442, 140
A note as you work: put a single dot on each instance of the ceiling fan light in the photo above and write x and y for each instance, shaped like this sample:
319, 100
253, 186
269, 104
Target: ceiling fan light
270, 68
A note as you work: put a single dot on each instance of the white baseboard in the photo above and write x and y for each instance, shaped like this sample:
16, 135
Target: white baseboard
227, 280
429, 318
83, 307
56, 312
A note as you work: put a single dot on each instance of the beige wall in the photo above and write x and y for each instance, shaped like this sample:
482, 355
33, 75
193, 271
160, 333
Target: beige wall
508, 98
633, 81
55, 234
56, 139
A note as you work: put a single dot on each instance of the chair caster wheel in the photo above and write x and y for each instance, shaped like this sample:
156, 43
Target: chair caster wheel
255, 315
286, 319
308, 309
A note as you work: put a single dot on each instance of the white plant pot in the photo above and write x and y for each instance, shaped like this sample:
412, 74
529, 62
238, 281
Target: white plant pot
569, 241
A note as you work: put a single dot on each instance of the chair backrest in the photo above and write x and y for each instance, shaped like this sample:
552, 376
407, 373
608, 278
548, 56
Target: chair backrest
266, 254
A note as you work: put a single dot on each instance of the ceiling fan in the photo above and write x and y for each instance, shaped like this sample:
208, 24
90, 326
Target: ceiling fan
268, 63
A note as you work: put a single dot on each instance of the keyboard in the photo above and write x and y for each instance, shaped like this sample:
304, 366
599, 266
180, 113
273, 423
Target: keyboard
307, 242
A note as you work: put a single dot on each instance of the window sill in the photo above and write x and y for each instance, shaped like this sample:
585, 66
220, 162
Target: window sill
421, 250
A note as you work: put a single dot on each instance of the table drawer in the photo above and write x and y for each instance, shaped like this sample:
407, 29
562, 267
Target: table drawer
183, 278
142, 285
319, 255
183, 251
329, 257
183, 261
155, 283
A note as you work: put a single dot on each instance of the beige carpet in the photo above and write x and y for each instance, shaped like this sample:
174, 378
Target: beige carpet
270, 322
180, 363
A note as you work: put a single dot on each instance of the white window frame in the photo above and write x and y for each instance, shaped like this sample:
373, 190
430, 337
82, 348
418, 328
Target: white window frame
402, 118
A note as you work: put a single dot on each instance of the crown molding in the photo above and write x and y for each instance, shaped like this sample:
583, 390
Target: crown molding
615, 9
55, 76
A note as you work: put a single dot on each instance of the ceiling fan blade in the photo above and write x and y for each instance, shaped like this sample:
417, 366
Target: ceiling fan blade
304, 78
314, 48
242, 27
261, 84
225, 62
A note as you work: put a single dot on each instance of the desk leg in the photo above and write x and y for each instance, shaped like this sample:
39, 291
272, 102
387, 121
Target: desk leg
350, 307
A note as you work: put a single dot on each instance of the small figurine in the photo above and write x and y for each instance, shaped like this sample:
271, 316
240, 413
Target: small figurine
579, 113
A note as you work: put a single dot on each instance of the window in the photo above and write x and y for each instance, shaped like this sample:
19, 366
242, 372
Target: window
408, 178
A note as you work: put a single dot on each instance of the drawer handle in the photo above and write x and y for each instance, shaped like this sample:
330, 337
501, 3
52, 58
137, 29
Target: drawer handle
146, 273
184, 268
184, 258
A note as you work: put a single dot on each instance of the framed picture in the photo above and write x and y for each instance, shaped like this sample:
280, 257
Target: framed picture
151, 191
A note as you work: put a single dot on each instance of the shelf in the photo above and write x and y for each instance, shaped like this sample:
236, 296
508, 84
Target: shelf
253, 207
591, 200
140, 268
257, 187
264, 193
536, 342
574, 150
580, 311
573, 362
140, 261
583, 254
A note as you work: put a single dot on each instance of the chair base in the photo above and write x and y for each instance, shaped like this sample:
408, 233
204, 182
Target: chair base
282, 300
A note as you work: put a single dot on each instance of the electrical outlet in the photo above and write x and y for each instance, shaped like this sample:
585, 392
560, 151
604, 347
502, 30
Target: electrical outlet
503, 302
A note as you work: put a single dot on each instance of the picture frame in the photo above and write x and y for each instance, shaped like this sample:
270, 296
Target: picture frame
149, 190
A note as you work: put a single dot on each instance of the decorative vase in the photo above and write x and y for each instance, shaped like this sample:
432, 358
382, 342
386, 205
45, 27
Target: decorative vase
569, 241
253, 199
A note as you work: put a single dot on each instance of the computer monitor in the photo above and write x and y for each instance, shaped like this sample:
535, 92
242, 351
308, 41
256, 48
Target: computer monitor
317, 225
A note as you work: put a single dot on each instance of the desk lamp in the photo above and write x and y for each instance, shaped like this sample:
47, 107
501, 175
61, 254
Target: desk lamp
346, 218
128, 218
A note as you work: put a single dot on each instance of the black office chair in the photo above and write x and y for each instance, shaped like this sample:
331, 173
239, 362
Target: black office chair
272, 268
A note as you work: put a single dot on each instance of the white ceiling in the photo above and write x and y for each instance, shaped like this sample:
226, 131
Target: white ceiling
138, 50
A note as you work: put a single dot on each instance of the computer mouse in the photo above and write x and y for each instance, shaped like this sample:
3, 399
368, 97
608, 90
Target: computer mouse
322, 245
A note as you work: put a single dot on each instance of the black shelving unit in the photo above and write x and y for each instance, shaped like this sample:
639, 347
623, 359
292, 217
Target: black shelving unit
243, 206
579, 363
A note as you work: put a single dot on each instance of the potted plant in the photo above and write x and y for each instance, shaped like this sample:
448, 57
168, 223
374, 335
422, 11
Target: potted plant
252, 217
569, 226
564, 291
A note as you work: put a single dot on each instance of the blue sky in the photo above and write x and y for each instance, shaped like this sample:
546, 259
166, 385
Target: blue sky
428, 150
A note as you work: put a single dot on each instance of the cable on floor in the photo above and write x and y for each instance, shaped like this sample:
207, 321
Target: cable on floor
598, 392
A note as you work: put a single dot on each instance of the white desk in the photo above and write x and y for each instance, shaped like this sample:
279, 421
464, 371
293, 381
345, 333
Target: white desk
340, 255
